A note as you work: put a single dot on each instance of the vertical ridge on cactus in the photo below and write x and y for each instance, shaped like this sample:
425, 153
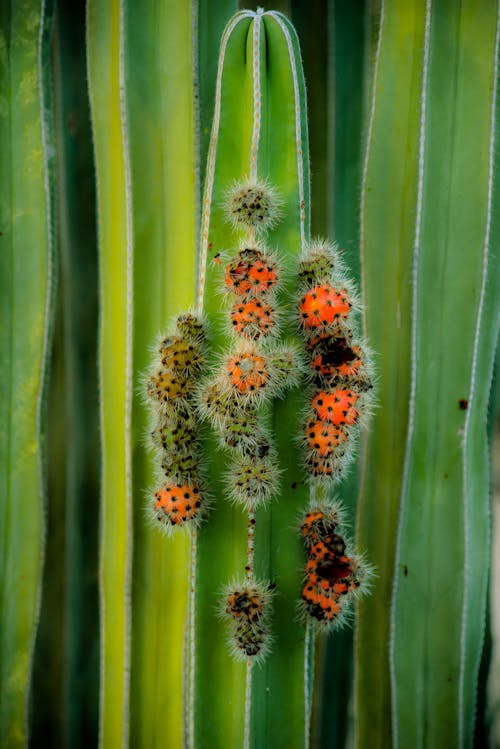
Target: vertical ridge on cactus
105, 45
441, 520
386, 242
456, 539
27, 268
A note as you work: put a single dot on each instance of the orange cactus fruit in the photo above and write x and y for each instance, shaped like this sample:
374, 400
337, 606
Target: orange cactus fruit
323, 306
336, 406
333, 355
247, 372
165, 386
318, 604
319, 524
252, 318
321, 552
323, 437
246, 603
176, 504
251, 272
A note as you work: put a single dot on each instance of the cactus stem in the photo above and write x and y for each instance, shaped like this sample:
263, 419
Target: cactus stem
212, 154
412, 400
303, 207
250, 544
129, 368
256, 97
472, 393
364, 178
248, 704
191, 649
44, 30
309, 646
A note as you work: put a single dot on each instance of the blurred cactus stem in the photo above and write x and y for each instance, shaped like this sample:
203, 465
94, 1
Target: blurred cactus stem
26, 272
429, 223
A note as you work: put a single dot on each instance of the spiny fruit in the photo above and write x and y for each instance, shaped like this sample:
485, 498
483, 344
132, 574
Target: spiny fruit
246, 606
323, 307
252, 480
174, 431
243, 433
181, 463
218, 404
247, 372
253, 204
191, 327
252, 318
252, 641
336, 406
333, 355
316, 267
177, 504
319, 523
332, 577
246, 603
325, 467
166, 386
180, 355
323, 437
251, 272
320, 605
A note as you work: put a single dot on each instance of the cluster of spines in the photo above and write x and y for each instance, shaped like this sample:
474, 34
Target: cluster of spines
254, 370
246, 606
339, 362
171, 387
334, 576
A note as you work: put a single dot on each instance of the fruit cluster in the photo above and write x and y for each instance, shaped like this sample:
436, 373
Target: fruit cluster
339, 362
332, 577
254, 370
247, 606
171, 388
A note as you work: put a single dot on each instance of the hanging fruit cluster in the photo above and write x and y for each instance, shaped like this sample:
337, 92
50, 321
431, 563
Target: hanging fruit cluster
333, 578
339, 362
247, 606
340, 372
254, 370
171, 388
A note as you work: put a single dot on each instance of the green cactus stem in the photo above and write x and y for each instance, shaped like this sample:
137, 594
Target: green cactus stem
26, 270
430, 286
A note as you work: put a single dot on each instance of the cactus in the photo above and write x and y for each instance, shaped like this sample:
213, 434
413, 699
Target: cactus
423, 512
27, 269
241, 444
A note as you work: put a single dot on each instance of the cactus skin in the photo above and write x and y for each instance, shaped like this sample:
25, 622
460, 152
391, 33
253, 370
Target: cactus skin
65, 711
437, 487
26, 266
